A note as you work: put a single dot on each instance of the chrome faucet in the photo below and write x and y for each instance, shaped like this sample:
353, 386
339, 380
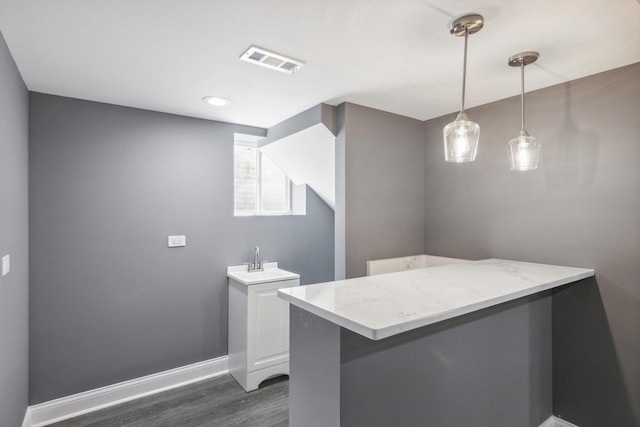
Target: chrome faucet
257, 264
256, 257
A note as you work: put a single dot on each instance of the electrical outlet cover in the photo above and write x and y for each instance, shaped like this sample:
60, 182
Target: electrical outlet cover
177, 241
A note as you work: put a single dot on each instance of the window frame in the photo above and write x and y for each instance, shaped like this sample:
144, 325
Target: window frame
252, 141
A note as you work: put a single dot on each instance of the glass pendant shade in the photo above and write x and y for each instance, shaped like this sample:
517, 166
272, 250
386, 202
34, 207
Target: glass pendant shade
461, 140
524, 152
461, 136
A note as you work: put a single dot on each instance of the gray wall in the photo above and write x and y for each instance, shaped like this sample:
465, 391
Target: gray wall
579, 208
341, 199
14, 241
383, 185
109, 301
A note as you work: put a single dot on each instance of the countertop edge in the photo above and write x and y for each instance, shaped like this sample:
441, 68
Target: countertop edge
269, 280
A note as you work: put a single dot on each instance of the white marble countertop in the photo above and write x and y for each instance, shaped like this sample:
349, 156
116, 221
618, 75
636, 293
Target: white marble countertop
381, 306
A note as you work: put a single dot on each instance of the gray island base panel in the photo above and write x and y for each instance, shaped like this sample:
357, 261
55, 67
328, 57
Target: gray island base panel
484, 361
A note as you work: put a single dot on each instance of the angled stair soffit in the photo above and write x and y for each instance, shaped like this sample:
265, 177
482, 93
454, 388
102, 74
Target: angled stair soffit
307, 157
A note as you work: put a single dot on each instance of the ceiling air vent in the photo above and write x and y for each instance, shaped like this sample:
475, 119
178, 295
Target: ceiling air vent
274, 61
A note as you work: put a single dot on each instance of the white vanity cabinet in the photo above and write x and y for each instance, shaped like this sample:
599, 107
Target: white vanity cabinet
258, 326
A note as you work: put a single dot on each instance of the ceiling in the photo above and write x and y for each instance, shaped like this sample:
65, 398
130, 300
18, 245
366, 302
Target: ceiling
393, 55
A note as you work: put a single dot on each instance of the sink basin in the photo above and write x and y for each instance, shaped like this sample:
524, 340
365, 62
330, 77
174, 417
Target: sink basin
271, 273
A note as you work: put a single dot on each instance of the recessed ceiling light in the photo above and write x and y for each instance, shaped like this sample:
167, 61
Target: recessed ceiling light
216, 101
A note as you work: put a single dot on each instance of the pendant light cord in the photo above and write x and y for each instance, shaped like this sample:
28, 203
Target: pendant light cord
522, 91
464, 68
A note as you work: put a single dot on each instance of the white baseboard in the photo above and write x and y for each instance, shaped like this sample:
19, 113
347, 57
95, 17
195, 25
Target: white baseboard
556, 422
56, 410
26, 422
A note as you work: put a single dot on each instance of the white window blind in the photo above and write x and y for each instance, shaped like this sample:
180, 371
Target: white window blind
245, 176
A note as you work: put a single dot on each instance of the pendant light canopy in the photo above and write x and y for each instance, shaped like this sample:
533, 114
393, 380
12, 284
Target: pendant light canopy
461, 136
524, 150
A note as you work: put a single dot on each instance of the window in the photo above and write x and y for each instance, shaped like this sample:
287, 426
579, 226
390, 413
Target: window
260, 188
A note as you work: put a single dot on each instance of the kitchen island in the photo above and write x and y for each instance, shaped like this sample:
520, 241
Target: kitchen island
454, 345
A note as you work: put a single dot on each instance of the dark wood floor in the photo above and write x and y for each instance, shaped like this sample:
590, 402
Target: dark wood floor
219, 402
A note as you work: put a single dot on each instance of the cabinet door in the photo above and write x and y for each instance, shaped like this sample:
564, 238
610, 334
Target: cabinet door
269, 325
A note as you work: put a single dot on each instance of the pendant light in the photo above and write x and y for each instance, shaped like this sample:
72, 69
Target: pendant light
461, 136
524, 150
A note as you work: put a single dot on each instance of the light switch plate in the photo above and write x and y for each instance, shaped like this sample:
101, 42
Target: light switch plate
177, 241
6, 265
